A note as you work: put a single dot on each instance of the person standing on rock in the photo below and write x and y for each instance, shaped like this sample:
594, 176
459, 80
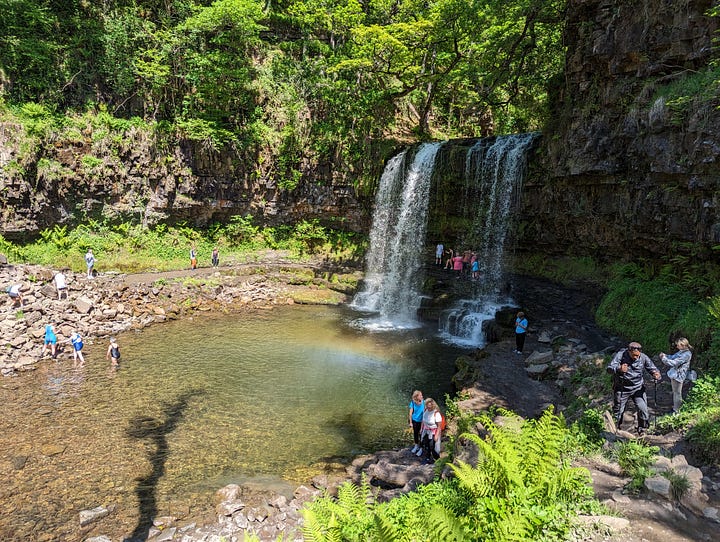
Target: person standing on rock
627, 369
113, 353
60, 284
458, 264
430, 432
90, 262
193, 257
449, 260
679, 363
439, 250
415, 418
521, 326
50, 341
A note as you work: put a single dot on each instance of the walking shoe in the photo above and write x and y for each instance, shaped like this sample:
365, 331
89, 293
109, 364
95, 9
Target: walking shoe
419, 452
414, 449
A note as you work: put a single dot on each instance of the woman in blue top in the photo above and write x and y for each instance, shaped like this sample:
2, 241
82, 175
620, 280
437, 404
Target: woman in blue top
521, 325
50, 340
680, 364
415, 417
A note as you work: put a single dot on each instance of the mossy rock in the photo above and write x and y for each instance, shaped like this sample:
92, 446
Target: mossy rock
322, 296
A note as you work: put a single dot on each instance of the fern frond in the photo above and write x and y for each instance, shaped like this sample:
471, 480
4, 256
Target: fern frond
314, 529
442, 524
385, 531
541, 445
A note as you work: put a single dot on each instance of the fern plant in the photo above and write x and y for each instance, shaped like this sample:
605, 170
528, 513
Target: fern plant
521, 489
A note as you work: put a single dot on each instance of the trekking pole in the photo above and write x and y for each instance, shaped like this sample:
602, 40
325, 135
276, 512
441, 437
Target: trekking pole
655, 404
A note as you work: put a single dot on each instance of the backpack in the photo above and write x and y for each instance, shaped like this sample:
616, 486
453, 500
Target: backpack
443, 422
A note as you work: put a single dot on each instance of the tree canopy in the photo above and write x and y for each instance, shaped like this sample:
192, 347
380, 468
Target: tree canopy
290, 78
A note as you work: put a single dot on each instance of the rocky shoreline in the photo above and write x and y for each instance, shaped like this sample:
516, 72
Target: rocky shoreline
111, 303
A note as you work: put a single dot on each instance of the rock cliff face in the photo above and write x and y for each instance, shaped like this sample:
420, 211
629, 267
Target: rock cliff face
629, 166
136, 178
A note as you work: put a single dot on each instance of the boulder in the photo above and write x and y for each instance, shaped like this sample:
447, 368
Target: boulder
537, 371
659, 485
539, 358
93, 515
83, 305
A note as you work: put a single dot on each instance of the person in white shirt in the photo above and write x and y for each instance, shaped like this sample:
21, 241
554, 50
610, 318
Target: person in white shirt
60, 284
430, 433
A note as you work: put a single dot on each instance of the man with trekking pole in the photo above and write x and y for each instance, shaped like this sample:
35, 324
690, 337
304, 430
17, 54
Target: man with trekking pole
627, 369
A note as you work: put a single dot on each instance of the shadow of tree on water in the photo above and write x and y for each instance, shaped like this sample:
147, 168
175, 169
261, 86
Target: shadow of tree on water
155, 431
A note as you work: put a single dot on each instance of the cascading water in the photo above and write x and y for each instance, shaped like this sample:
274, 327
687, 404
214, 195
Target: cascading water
494, 171
397, 238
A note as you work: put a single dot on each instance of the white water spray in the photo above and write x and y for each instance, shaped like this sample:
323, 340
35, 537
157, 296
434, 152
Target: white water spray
494, 171
397, 239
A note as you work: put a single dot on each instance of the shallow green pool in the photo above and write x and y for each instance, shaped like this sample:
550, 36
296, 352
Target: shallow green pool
268, 399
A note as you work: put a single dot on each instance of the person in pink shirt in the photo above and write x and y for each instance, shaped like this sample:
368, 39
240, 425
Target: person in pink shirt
458, 263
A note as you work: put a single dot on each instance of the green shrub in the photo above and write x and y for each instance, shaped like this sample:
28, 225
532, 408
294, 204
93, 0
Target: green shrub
521, 489
635, 458
699, 418
679, 484
651, 310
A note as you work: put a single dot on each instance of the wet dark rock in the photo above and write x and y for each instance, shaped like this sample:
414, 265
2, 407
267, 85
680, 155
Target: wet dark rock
19, 461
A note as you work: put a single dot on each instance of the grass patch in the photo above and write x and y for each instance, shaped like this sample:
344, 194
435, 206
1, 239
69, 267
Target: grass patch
131, 248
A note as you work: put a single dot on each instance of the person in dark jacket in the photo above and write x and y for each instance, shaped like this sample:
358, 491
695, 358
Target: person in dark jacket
627, 369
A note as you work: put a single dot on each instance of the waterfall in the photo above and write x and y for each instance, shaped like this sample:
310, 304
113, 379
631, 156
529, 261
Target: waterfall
397, 240
494, 172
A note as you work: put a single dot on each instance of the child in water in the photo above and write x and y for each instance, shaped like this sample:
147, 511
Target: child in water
77, 344
113, 353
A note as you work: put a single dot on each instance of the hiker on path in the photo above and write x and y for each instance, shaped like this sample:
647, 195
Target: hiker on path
193, 257
679, 363
215, 257
439, 250
521, 326
13, 292
627, 369
60, 284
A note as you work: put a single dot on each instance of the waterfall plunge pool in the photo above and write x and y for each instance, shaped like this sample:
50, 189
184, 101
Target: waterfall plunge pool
269, 398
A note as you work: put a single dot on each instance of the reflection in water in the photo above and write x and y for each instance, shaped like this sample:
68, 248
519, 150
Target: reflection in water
283, 393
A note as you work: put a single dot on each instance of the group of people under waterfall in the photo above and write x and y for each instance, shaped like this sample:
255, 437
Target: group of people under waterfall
464, 264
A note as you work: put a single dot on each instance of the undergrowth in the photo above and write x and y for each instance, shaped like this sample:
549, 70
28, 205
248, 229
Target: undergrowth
699, 417
522, 488
131, 248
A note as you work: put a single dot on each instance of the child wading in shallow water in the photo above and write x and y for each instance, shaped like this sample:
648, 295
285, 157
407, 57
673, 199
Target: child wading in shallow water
113, 353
